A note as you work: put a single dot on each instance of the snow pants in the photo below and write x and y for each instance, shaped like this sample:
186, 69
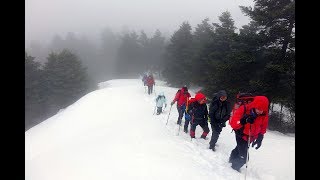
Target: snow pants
150, 88
238, 155
203, 124
216, 130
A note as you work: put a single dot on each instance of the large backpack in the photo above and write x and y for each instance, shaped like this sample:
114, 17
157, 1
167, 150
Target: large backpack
242, 99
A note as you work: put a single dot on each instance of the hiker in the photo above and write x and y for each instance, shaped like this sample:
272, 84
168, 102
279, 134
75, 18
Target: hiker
144, 79
181, 98
199, 114
160, 101
248, 120
187, 116
219, 113
150, 83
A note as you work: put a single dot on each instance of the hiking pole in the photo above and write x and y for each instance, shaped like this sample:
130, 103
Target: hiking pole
245, 174
165, 107
154, 109
169, 114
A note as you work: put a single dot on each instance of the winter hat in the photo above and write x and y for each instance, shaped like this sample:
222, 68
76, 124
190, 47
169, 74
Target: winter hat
200, 96
222, 93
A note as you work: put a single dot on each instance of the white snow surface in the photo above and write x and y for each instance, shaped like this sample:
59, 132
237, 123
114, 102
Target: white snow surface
111, 133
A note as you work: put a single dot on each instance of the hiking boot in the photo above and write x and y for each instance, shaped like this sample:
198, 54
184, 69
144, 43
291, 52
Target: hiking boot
212, 148
235, 168
185, 129
203, 137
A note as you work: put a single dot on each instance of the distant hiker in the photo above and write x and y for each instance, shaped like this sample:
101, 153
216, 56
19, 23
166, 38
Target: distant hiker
150, 83
199, 115
248, 120
181, 98
160, 101
144, 79
187, 116
219, 113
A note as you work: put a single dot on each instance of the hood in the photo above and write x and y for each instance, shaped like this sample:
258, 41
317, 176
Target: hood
222, 93
261, 103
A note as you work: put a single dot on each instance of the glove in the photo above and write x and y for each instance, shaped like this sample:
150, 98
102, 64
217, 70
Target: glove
187, 117
172, 103
253, 115
249, 118
243, 120
258, 141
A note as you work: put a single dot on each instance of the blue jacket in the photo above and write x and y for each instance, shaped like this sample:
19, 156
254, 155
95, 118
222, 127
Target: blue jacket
160, 100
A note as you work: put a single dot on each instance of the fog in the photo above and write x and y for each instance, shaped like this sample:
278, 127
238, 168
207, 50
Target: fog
45, 18
97, 30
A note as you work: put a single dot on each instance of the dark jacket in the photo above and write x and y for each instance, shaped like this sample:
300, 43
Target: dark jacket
219, 112
199, 112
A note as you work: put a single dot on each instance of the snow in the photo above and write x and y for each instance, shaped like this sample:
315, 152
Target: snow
111, 133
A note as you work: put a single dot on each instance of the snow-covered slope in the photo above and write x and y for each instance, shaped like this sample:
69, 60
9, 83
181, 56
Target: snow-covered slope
112, 133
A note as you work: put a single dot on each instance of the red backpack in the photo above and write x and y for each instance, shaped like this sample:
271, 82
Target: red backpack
242, 99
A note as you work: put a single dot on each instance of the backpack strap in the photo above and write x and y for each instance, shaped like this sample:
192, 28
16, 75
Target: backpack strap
187, 104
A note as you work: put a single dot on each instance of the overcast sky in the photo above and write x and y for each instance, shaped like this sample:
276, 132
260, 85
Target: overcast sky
45, 18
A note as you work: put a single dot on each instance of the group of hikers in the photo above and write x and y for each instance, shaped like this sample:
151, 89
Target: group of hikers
148, 80
249, 121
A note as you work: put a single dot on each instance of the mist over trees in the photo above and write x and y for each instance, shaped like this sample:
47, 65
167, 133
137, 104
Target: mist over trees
258, 58
139, 53
34, 94
60, 82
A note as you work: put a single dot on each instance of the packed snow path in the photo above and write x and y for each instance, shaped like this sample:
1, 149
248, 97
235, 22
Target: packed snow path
112, 133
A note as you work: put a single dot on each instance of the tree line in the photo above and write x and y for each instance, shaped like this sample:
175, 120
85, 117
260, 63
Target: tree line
258, 58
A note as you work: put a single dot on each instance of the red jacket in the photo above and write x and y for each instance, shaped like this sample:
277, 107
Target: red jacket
261, 122
181, 97
150, 81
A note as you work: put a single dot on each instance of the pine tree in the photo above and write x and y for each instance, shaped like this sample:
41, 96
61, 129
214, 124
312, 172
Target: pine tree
110, 43
202, 37
129, 60
220, 57
145, 54
179, 56
65, 78
34, 101
276, 19
157, 50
